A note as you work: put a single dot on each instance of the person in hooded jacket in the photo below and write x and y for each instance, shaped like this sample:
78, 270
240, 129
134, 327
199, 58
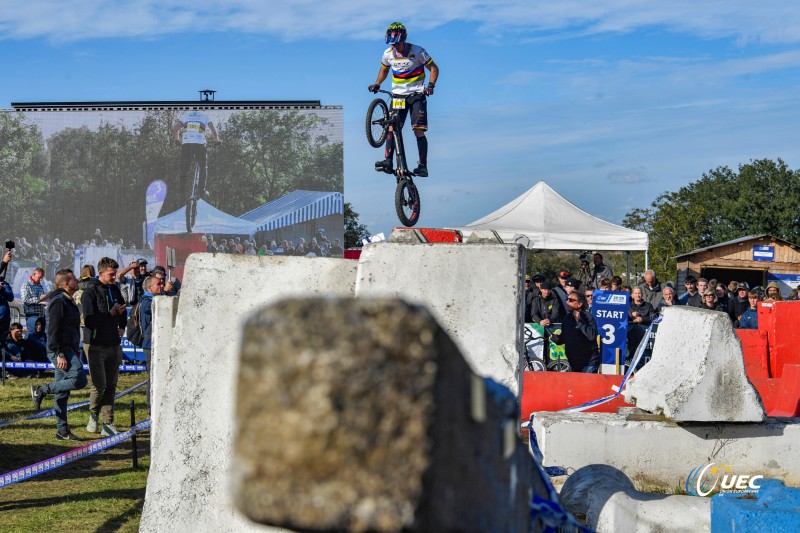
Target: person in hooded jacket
105, 317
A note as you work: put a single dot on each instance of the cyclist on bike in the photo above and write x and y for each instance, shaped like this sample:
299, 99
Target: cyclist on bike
191, 131
408, 63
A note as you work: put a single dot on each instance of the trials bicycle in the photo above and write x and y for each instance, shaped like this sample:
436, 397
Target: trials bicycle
381, 114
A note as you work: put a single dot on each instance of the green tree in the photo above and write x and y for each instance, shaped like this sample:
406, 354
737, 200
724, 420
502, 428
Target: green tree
761, 197
353, 231
23, 162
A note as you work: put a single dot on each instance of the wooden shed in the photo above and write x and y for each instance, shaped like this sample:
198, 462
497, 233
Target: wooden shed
756, 259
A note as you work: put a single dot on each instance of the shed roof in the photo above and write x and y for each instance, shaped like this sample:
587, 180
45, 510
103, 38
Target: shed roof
737, 241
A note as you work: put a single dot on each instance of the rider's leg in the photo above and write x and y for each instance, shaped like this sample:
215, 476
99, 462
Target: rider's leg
202, 160
419, 123
385, 164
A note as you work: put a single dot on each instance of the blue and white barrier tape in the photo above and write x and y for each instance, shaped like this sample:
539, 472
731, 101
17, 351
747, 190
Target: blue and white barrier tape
28, 472
548, 509
46, 413
617, 390
49, 366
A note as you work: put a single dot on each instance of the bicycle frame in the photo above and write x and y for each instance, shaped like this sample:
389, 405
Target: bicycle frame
397, 136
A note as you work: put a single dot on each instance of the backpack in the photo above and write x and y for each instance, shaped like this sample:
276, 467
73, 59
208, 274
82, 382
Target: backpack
133, 331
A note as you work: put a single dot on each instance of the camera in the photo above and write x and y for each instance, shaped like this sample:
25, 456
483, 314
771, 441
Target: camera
584, 257
10, 245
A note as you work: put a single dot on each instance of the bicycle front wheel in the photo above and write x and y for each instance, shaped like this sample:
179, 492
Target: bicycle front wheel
376, 124
406, 202
191, 214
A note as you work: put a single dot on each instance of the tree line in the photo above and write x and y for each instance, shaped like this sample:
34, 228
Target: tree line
760, 197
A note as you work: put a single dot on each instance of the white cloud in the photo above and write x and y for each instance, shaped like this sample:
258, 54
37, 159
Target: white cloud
67, 20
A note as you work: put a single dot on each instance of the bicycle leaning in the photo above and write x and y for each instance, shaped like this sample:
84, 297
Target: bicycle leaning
381, 115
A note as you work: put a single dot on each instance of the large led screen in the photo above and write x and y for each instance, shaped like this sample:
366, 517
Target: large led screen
161, 182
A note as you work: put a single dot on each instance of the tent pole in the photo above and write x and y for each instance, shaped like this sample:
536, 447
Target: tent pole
628, 269
646, 259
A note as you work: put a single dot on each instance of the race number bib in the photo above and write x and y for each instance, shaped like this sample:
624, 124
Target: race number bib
398, 103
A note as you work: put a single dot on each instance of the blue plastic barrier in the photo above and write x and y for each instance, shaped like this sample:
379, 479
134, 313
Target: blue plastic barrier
772, 508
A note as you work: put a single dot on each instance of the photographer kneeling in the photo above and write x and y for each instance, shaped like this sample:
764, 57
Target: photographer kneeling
579, 335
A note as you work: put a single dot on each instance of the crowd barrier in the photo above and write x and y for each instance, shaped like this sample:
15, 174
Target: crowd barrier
28, 472
46, 413
49, 366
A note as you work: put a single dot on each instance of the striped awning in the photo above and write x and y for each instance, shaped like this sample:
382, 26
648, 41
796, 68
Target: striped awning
294, 208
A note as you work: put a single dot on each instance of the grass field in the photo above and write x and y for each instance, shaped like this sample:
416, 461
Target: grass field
101, 492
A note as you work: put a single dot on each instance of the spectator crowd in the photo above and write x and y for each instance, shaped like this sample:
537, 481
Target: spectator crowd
564, 308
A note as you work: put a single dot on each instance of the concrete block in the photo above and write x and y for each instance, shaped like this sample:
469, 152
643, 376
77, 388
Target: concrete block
774, 508
610, 503
696, 373
474, 291
187, 486
658, 456
485, 236
373, 423
165, 309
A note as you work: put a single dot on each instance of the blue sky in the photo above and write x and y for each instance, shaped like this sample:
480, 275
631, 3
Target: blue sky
610, 104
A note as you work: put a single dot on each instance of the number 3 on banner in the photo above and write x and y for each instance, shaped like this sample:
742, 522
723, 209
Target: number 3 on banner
609, 334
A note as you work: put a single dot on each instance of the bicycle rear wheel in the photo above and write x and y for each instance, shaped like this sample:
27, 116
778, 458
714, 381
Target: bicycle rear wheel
376, 125
407, 202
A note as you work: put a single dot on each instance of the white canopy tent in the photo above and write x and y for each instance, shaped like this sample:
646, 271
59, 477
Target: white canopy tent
542, 219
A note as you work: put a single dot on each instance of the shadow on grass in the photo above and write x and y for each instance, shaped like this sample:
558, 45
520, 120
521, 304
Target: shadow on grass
122, 494
115, 522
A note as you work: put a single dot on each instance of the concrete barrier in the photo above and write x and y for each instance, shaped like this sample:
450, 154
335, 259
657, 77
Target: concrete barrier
475, 291
696, 373
375, 423
658, 456
610, 503
187, 487
164, 311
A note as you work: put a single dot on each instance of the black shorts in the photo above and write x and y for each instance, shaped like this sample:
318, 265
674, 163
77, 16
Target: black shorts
418, 104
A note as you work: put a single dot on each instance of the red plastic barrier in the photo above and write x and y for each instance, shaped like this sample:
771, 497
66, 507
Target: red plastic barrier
434, 234
755, 351
787, 398
781, 321
553, 391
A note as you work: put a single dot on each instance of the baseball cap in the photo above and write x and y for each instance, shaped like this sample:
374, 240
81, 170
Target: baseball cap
159, 268
142, 261
743, 286
547, 285
527, 278
537, 277
572, 282
564, 274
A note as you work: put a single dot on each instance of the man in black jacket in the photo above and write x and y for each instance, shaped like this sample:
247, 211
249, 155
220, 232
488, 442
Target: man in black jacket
739, 304
105, 317
579, 335
63, 350
546, 308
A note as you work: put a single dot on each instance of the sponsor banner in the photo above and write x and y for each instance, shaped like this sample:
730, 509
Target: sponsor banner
610, 311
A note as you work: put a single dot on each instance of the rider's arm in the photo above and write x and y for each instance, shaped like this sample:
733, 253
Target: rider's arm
214, 134
177, 129
434, 72
382, 73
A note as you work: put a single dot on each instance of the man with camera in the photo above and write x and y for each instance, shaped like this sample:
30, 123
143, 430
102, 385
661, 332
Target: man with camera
599, 272
6, 296
131, 284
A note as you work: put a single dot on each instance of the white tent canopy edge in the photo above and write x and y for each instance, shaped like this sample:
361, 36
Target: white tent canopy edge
542, 219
